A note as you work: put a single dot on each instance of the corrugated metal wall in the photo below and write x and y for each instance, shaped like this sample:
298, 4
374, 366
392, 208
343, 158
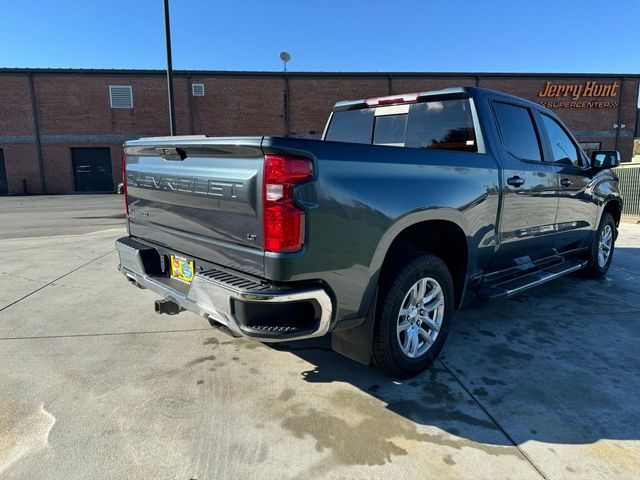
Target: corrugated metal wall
629, 176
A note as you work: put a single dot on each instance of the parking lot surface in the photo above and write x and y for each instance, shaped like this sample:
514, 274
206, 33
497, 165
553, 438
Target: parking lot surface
94, 384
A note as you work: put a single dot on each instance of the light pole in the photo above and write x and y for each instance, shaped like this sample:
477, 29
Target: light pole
167, 34
285, 57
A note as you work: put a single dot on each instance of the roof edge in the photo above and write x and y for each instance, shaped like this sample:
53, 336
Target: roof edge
231, 73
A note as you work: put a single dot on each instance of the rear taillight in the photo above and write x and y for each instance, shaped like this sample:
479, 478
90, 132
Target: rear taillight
283, 220
124, 182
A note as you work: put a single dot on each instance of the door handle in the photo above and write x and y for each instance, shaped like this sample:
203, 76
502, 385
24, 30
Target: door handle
565, 182
515, 181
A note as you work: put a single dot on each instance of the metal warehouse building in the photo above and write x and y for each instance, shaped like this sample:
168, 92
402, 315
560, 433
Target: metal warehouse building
61, 131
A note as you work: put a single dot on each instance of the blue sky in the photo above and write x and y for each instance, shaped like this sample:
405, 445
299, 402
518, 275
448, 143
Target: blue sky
326, 35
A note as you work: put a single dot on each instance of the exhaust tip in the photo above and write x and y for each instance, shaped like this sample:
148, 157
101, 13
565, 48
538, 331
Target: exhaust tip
221, 327
133, 281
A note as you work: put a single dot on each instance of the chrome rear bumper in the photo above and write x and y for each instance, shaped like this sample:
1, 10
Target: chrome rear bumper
214, 293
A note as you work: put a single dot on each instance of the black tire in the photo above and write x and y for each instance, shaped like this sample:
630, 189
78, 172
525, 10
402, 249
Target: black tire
388, 355
593, 268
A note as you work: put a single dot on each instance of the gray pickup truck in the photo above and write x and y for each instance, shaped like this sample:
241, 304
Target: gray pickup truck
373, 233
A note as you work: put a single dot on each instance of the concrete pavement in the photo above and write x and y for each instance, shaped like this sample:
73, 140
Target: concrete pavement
94, 384
59, 215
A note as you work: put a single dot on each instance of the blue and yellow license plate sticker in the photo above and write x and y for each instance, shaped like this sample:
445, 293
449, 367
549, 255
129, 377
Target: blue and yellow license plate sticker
182, 268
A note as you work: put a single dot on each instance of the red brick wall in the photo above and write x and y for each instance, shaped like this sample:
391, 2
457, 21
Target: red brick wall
77, 104
21, 163
628, 113
239, 106
58, 168
417, 84
15, 106
20, 159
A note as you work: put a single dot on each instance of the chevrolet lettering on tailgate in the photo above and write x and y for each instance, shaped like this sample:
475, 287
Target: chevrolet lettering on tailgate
215, 188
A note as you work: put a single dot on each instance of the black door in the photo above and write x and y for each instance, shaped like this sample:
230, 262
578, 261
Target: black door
530, 188
4, 187
92, 169
577, 205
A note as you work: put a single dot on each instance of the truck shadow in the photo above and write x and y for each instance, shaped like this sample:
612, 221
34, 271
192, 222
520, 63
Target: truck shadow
557, 364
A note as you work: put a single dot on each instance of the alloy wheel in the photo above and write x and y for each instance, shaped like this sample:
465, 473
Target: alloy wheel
420, 317
604, 245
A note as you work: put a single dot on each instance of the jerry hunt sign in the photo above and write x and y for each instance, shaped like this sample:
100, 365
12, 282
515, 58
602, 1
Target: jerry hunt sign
576, 95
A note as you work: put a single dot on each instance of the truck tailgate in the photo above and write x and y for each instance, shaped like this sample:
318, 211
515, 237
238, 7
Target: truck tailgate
199, 196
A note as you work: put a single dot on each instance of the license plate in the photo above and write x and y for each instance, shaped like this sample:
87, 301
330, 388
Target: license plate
182, 268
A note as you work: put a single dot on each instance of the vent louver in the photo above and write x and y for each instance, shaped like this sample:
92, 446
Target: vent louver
121, 96
197, 89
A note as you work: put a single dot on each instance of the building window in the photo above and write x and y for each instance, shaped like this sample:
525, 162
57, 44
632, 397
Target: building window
590, 147
197, 89
121, 96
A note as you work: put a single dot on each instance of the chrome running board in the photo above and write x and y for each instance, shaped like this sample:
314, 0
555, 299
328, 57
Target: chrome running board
516, 285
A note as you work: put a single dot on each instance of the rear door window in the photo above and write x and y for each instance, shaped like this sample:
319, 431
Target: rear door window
517, 131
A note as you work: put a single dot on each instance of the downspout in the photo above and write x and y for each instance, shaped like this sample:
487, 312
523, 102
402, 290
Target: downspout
287, 114
192, 127
619, 109
36, 131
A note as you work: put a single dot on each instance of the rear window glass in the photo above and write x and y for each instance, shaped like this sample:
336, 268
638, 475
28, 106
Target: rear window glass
445, 124
517, 131
354, 126
390, 130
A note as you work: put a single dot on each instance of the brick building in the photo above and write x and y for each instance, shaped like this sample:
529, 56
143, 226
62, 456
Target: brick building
61, 131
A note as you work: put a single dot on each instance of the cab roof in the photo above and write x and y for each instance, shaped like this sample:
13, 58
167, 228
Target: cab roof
446, 93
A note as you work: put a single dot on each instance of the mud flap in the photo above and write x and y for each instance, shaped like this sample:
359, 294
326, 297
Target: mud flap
356, 342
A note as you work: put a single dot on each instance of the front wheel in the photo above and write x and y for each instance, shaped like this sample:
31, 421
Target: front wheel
414, 313
601, 252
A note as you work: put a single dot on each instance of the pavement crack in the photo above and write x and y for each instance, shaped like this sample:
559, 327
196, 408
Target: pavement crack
55, 280
493, 419
105, 334
13, 275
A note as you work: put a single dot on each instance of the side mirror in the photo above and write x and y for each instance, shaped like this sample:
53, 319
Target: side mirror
605, 159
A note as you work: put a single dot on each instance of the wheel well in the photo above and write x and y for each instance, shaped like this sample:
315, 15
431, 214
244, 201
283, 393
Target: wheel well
614, 208
439, 237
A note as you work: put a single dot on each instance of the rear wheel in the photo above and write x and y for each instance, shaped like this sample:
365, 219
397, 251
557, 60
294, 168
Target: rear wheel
602, 248
414, 312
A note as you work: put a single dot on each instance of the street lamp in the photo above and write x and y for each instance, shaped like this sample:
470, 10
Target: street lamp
285, 57
167, 34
